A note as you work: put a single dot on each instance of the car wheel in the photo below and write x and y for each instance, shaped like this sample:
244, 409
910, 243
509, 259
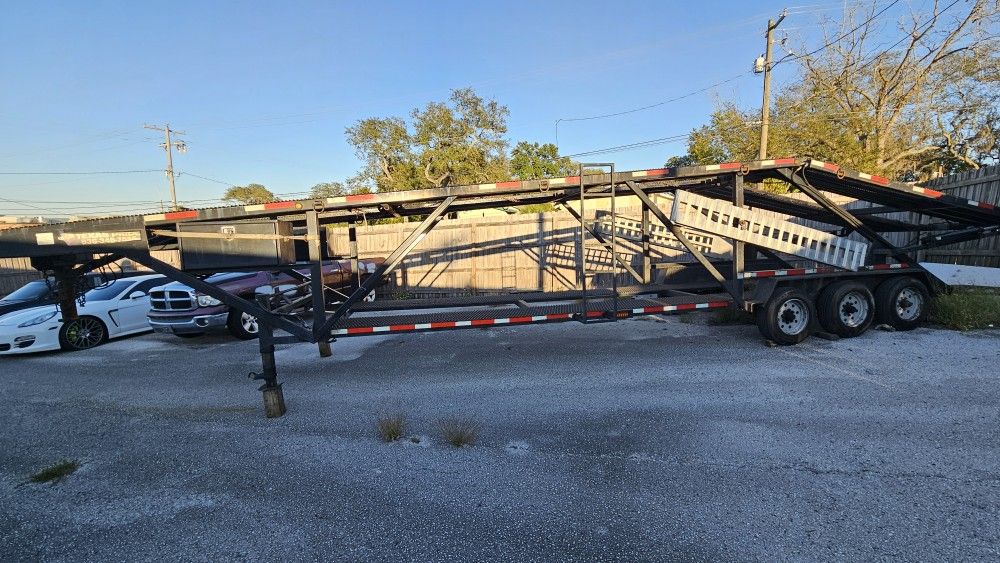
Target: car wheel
787, 317
82, 333
242, 325
846, 308
901, 303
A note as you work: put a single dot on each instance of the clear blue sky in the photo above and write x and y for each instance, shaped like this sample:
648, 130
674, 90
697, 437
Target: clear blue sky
265, 91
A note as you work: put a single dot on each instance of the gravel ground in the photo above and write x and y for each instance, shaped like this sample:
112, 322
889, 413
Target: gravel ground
638, 440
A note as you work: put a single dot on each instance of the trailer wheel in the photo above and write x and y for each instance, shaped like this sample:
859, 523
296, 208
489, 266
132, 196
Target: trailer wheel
846, 308
901, 302
242, 325
787, 317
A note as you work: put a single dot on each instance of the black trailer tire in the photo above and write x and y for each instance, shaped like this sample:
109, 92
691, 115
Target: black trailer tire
846, 308
82, 333
242, 325
901, 302
786, 318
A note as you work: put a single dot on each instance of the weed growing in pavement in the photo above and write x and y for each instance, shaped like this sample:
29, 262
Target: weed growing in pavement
391, 427
56, 472
967, 309
460, 431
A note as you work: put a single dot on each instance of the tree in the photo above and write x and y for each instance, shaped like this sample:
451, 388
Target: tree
533, 160
327, 189
460, 141
250, 194
926, 108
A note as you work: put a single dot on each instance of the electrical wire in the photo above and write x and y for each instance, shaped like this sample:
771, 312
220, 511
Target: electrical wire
791, 57
88, 173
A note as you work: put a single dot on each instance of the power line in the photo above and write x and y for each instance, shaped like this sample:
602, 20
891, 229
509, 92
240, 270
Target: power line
205, 178
657, 104
88, 173
791, 57
633, 146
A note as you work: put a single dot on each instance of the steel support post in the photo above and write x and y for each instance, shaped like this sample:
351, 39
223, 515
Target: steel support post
647, 266
316, 285
682, 238
851, 221
274, 398
372, 281
66, 291
739, 247
352, 241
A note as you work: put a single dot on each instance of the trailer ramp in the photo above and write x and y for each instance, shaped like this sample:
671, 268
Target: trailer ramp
755, 227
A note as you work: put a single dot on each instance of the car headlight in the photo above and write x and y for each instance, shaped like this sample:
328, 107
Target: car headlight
208, 301
38, 320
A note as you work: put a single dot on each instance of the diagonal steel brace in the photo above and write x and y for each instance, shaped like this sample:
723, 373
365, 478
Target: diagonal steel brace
372, 281
679, 234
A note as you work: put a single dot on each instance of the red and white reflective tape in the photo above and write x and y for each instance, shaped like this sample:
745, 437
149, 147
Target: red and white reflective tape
789, 272
927, 192
442, 325
652, 172
681, 307
274, 205
810, 271
725, 166
499, 185
172, 216
564, 181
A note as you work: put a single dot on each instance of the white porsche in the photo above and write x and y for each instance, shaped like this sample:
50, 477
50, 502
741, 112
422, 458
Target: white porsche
112, 310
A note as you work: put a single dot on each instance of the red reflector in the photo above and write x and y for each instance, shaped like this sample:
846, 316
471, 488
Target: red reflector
482, 322
514, 184
361, 330
520, 320
730, 165
180, 215
402, 327
279, 205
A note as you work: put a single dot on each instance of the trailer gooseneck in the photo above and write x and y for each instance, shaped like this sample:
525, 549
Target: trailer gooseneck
795, 279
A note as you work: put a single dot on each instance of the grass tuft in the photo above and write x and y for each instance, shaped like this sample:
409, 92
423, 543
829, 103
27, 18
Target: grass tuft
391, 428
56, 472
967, 309
460, 431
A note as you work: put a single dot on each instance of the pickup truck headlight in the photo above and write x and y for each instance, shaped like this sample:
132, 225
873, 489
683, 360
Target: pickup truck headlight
38, 320
208, 301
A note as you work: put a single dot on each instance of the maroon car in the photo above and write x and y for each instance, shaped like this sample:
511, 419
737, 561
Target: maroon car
177, 309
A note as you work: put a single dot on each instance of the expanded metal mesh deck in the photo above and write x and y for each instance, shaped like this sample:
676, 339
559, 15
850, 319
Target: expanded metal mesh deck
357, 325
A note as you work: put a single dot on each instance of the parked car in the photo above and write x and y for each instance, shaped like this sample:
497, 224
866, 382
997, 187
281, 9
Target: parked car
115, 309
180, 310
40, 292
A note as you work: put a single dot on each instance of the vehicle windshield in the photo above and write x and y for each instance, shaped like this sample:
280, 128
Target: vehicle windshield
29, 291
109, 291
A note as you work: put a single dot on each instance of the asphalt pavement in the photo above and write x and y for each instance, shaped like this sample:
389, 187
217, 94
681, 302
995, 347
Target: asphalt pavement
638, 440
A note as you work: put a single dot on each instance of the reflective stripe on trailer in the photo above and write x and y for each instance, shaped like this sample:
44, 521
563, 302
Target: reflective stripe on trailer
171, 216
522, 320
810, 271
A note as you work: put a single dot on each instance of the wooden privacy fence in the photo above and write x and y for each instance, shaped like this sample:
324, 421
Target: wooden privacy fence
498, 253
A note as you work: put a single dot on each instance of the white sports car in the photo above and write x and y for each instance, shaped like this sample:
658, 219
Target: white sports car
116, 309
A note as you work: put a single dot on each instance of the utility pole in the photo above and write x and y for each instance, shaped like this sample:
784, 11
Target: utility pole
763, 64
169, 146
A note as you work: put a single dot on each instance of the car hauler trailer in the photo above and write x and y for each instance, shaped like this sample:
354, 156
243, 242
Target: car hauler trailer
810, 278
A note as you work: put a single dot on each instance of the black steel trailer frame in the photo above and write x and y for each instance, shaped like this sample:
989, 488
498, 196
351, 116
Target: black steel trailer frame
745, 282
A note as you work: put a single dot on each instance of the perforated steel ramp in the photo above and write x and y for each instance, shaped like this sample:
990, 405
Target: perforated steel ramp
726, 220
358, 325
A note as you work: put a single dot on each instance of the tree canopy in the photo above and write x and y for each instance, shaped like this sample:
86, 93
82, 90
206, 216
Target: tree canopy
534, 160
929, 106
461, 141
250, 194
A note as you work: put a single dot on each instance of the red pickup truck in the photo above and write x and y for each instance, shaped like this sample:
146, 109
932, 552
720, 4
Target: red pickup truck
177, 309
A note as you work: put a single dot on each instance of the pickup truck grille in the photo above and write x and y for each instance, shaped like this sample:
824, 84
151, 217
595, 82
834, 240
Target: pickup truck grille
171, 300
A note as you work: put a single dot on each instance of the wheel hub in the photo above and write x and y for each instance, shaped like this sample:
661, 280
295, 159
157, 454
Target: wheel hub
793, 317
854, 309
